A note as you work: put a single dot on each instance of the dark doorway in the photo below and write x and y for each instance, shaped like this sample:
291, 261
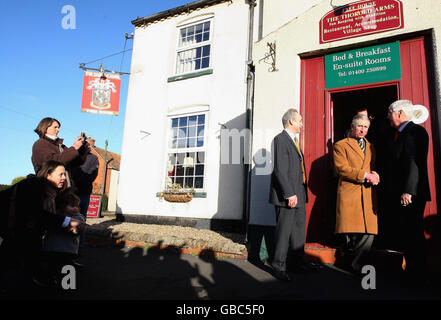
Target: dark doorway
375, 100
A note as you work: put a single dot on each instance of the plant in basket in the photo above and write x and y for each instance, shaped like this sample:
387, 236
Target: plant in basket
175, 193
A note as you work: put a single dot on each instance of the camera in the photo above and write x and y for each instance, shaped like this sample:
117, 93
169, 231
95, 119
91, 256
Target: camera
83, 136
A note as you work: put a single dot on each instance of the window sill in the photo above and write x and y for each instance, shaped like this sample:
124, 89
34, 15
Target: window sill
190, 75
195, 195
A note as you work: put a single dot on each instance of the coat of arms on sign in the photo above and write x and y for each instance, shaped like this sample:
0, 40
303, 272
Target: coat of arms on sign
102, 89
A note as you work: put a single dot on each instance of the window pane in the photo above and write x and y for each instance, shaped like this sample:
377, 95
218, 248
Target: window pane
189, 171
198, 182
199, 170
206, 51
198, 37
191, 142
206, 36
182, 132
200, 142
174, 143
197, 65
180, 158
201, 157
200, 131
205, 62
181, 143
172, 158
179, 170
201, 119
183, 122
174, 133
192, 121
206, 26
192, 131
198, 52
182, 36
179, 180
174, 122
189, 182
199, 28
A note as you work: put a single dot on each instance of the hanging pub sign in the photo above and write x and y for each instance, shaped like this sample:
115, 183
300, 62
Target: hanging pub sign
364, 65
101, 93
361, 18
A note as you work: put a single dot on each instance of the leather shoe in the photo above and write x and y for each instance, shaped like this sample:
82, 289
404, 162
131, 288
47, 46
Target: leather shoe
282, 275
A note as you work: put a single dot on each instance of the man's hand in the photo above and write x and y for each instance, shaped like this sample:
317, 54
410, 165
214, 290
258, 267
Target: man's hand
373, 178
292, 201
406, 199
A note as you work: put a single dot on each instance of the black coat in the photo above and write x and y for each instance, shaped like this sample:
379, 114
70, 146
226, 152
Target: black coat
407, 164
29, 220
287, 177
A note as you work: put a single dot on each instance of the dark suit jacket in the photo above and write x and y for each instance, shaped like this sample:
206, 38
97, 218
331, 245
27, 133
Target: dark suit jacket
287, 177
407, 169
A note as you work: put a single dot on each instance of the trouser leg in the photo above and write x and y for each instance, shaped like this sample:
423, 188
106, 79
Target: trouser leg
298, 232
414, 241
290, 231
357, 245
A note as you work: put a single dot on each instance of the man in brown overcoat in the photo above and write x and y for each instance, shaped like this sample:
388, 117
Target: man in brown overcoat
356, 216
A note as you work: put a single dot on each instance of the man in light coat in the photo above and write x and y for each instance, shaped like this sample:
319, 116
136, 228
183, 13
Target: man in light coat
356, 214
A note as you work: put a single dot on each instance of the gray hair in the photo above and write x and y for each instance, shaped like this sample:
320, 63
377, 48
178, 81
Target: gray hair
405, 105
289, 114
359, 117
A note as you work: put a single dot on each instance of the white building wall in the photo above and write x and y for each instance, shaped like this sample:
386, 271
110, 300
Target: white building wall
151, 100
113, 190
275, 92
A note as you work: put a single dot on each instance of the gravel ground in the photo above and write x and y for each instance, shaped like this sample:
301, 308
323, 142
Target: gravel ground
169, 235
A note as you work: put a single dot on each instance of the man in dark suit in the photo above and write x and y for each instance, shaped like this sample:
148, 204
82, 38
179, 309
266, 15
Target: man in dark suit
288, 194
407, 185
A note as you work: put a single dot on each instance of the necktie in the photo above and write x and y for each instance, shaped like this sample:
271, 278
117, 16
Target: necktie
396, 135
362, 145
303, 164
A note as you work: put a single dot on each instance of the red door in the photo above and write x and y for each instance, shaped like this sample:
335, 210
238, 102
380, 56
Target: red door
316, 107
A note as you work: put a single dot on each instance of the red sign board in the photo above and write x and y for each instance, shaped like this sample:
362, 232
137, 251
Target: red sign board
101, 93
361, 18
94, 207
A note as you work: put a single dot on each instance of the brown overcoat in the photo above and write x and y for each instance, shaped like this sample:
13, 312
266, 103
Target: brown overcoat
356, 200
45, 149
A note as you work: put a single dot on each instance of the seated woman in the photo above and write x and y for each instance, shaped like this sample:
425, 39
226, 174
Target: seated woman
29, 210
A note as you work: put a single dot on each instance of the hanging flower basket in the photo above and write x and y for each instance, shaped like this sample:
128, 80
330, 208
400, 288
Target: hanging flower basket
177, 197
175, 193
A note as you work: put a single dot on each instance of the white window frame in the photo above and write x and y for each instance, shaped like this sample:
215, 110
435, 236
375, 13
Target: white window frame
179, 68
171, 150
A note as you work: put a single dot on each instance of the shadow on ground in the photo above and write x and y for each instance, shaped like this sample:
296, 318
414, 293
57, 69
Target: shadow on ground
157, 273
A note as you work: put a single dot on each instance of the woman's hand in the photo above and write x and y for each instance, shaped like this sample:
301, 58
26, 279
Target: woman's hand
78, 142
76, 226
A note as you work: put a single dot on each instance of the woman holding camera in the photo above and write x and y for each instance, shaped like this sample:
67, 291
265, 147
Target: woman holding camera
50, 147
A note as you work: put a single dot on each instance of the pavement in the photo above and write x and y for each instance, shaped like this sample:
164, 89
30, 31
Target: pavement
118, 271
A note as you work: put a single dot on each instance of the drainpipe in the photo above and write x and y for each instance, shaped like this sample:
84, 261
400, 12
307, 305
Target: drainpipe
249, 116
